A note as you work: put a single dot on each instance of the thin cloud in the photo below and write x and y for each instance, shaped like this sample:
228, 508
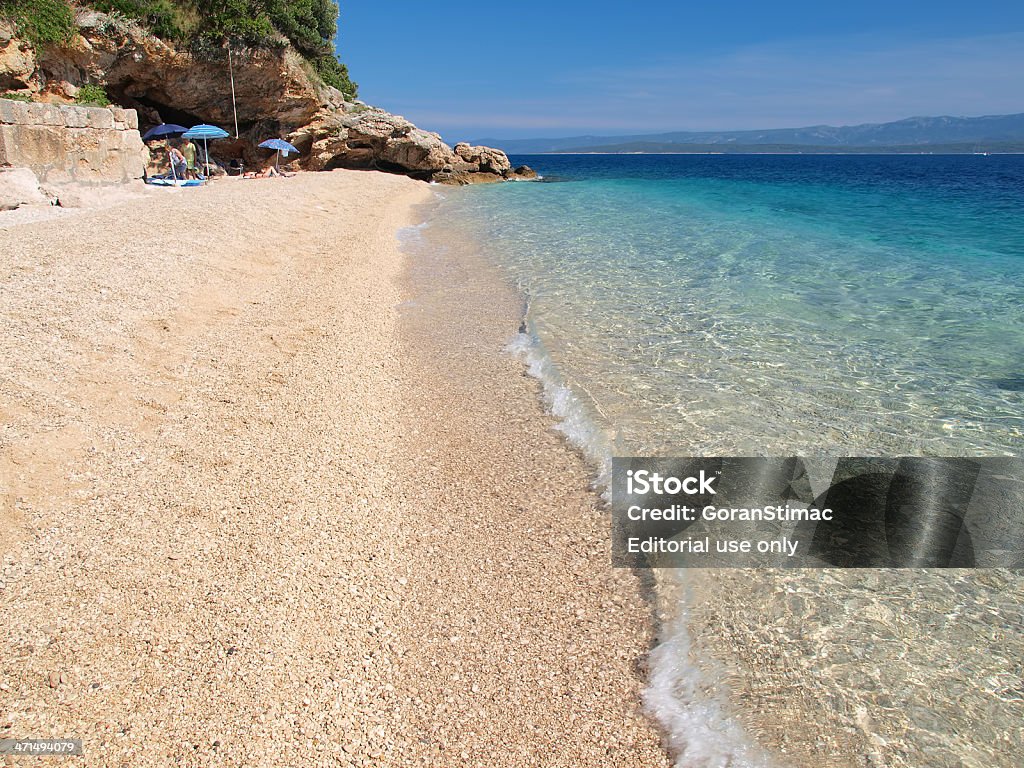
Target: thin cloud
834, 81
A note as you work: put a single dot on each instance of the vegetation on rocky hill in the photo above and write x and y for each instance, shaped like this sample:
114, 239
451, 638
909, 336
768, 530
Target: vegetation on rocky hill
203, 25
90, 95
41, 22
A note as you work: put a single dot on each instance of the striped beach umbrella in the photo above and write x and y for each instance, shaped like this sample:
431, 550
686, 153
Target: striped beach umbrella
206, 133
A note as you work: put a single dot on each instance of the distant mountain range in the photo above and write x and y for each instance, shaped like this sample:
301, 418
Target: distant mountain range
915, 134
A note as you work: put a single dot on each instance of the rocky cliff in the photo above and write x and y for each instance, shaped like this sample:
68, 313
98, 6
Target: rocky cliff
275, 91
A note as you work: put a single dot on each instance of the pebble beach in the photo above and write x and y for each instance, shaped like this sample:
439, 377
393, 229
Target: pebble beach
261, 504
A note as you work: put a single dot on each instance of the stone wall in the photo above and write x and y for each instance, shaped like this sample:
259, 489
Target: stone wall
65, 144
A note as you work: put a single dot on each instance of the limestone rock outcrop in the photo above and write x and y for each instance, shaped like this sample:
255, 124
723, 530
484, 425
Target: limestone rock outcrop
275, 95
484, 159
143, 71
17, 60
365, 137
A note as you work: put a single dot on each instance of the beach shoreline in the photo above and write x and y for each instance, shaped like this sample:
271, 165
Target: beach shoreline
844, 667
259, 511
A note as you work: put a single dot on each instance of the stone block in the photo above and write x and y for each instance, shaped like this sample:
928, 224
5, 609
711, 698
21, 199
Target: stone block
50, 114
13, 112
8, 145
131, 141
35, 113
41, 148
120, 123
57, 174
99, 118
67, 143
75, 117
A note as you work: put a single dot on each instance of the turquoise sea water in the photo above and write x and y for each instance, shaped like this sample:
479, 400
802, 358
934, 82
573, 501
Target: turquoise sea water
773, 304
790, 305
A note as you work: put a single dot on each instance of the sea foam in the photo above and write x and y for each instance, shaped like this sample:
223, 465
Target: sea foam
693, 711
567, 406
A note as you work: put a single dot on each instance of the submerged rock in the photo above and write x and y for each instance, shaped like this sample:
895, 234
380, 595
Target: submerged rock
524, 173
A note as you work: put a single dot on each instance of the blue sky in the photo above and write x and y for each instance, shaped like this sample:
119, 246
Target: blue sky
560, 68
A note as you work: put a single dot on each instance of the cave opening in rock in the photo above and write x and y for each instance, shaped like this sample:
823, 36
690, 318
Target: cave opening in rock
367, 163
154, 110
340, 161
384, 165
151, 109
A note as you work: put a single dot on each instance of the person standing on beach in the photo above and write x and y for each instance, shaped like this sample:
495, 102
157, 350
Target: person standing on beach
188, 151
179, 166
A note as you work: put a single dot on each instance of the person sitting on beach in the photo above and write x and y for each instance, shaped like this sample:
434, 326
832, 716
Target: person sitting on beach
270, 171
188, 151
179, 166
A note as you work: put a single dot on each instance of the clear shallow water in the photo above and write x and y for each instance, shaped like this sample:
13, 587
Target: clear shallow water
787, 305
769, 304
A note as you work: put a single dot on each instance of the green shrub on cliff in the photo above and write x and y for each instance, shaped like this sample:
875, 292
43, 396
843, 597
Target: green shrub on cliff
162, 17
41, 22
310, 26
90, 95
242, 22
333, 72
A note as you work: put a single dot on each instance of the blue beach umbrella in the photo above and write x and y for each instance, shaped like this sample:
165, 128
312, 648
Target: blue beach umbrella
163, 130
281, 146
205, 132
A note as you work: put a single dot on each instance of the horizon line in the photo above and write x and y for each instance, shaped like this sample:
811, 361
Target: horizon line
786, 128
